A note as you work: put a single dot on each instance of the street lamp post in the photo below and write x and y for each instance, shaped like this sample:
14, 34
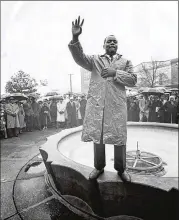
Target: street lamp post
70, 83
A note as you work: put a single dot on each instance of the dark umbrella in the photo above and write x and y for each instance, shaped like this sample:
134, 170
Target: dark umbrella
17, 96
152, 91
52, 93
55, 97
173, 85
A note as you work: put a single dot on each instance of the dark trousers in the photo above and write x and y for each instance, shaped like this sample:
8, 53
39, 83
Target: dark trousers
100, 158
29, 122
12, 132
36, 122
119, 157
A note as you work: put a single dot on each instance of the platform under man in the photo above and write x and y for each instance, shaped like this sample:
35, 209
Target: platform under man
105, 119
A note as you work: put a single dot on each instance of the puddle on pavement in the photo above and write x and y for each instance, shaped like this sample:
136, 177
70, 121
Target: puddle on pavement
35, 167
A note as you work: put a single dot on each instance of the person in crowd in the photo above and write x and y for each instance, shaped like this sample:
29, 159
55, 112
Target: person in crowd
106, 113
29, 115
36, 116
12, 110
45, 111
53, 113
146, 109
71, 113
21, 115
152, 109
177, 105
136, 100
40, 113
3, 129
61, 107
142, 108
83, 102
66, 100
78, 113
133, 110
161, 110
158, 106
128, 107
171, 110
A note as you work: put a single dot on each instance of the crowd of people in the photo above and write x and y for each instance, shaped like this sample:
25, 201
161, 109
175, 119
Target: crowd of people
69, 111
28, 115
153, 108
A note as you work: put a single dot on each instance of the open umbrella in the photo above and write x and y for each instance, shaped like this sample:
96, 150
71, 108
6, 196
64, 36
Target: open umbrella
152, 91
17, 96
173, 86
42, 99
52, 93
34, 95
3, 96
56, 97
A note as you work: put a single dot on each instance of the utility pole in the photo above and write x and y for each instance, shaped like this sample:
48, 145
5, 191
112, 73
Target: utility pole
70, 83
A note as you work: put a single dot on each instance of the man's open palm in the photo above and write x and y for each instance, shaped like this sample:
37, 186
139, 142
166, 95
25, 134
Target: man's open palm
77, 27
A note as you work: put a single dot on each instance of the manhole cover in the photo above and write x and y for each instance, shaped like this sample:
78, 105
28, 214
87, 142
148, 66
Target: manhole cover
142, 161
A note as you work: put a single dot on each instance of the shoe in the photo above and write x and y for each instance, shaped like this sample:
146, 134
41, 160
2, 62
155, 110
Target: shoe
125, 177
95, 174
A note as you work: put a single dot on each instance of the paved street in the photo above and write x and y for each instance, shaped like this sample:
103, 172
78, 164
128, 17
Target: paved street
24, 194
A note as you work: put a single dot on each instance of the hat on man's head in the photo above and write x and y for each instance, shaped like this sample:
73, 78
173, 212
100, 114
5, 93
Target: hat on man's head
11, 98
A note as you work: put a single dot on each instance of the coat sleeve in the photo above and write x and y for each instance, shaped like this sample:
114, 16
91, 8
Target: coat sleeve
80, 58
127, 77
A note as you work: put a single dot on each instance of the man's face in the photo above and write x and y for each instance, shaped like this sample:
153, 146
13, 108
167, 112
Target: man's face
12, 101
111, 45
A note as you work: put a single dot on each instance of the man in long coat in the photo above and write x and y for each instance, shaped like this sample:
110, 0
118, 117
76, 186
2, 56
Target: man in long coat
106, 112
36, 116
71, 114
82, 106
12, 110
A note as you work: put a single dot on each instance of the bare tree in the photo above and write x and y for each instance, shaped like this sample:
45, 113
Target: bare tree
152, 74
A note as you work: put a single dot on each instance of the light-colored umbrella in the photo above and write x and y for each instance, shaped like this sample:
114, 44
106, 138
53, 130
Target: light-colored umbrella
42, 99
17, 96
3, 96
131, 93
34, 95
51, 93
56, 97
152, 91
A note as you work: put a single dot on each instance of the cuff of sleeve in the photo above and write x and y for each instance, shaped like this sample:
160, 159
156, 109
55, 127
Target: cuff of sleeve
115, 77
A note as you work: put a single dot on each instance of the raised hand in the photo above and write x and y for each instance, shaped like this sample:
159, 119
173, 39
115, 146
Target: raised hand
77, 27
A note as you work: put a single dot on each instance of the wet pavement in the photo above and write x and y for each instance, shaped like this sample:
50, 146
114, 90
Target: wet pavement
24, 193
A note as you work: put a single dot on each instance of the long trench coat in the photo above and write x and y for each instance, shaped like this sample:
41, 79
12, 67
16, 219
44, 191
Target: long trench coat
106, 108
71, 112
61, 107
12, 121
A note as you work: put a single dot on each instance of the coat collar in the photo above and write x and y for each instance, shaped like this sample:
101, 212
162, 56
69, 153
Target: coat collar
118, 56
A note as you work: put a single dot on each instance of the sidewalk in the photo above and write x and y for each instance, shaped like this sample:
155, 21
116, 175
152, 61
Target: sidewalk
15, 153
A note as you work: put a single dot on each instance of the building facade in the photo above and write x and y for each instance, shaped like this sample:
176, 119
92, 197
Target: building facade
166, 72
174, 71
85, 79
163, 72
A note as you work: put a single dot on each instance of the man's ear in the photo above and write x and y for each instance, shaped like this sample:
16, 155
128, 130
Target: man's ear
104, 46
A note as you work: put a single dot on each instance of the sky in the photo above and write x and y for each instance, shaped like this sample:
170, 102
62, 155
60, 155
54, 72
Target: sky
35, 36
